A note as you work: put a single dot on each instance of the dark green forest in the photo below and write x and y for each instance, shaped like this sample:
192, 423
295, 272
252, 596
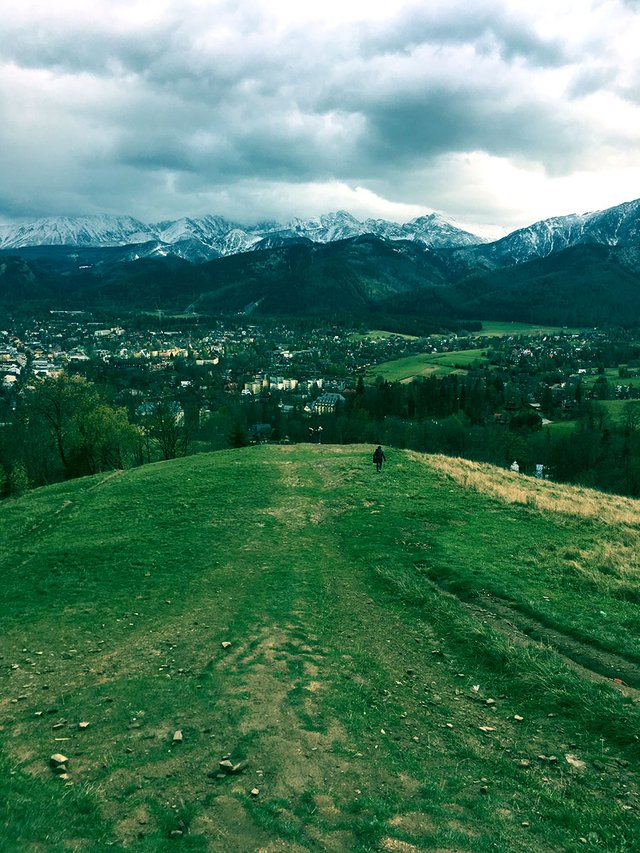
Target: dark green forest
362, 278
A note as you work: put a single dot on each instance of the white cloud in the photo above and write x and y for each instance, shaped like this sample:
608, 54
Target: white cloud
489, 113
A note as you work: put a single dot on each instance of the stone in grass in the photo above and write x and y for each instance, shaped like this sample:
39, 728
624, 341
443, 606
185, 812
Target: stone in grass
226, 644
255, 792
83, 725
57, 759
229, 768
177, 736
60, 769
575, 762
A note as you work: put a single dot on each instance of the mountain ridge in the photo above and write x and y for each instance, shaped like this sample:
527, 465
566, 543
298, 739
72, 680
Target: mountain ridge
579, 269
614, 226
214, 236
359, 277
211, 236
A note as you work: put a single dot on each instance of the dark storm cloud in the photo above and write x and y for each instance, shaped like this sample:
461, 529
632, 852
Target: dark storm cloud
207, 96
435, 123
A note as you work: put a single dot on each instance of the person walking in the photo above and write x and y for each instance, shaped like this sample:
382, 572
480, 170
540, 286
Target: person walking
379, 457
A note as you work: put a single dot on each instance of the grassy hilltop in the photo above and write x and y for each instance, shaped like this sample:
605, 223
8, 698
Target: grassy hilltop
419, 660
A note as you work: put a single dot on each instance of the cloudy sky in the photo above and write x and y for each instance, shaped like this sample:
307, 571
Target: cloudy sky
495, 113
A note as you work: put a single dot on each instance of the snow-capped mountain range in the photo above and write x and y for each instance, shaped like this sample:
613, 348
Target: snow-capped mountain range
207, 237
215, 236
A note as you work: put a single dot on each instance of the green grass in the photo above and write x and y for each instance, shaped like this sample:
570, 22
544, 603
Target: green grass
561, 427
498, 328
426, 364
613, 378
460, 358
618, 409
351, 601
380, 334
408, 367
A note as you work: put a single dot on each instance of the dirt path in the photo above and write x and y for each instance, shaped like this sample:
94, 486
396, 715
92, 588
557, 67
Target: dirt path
293, 686
589, 661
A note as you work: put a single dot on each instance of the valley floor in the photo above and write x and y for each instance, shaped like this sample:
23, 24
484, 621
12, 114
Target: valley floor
440, 657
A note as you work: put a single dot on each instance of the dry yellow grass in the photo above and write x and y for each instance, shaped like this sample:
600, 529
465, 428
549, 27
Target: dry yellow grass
614, 562
544, 495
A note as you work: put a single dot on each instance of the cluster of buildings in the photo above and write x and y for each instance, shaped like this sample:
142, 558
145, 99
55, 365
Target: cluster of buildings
12, 360
311, 369
251, 361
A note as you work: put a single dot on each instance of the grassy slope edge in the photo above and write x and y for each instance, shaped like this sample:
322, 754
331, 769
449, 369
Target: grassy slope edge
366, 616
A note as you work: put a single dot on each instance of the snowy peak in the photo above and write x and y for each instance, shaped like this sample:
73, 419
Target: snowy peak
616, 226
327, 228
438, 233
219, 236
207, 237
430, 230
207, 229
75, 231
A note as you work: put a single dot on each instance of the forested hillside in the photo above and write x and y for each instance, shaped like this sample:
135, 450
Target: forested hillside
360, 277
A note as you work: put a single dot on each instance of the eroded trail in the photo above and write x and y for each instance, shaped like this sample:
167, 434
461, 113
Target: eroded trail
590, 661
337, 700
295, 684
352, 699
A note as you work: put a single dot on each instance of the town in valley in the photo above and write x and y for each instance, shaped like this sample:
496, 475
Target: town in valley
191, 383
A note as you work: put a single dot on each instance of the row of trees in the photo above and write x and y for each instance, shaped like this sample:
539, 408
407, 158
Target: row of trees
69, 427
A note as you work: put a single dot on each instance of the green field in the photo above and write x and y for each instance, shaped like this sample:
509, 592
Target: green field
407, 368
561, 426
418, 660
426, 364
618, 409
380, 334
613, 377
498, 328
